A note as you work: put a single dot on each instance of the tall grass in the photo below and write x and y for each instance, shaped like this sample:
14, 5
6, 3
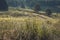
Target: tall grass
26, 29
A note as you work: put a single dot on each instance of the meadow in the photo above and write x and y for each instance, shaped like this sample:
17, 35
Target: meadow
21, 25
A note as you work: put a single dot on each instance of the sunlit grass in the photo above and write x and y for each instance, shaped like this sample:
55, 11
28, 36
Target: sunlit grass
26, 26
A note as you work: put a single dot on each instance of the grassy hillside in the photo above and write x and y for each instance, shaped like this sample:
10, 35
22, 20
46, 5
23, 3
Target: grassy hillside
21, 25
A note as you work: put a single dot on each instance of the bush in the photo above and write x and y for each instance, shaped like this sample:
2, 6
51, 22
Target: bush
37, 8
48, 12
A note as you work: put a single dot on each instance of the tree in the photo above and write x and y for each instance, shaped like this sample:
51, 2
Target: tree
48, 12
37, 7
3, 5
22, 5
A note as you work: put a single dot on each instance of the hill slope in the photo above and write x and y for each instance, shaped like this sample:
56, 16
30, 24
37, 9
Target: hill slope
19, 24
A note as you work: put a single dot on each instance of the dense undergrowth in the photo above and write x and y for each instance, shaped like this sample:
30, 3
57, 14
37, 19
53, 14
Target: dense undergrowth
27, 29
18, 25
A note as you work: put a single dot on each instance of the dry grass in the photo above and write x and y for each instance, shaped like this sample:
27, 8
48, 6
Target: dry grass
28, 27
25, 29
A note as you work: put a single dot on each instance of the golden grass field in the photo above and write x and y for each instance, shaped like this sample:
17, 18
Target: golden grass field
20, 25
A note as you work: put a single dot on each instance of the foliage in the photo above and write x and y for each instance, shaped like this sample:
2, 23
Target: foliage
28, 27
37, 7
48, 12
3, 5
25, 29
31, 3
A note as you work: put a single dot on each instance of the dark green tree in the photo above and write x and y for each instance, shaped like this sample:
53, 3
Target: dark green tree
37, 7
48, 12
22, 5
3, 5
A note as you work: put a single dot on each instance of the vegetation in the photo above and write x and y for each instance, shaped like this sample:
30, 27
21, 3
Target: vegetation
37, 8
48, 12
21, 24
3, 5
53, 5
27, 28
23, 29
